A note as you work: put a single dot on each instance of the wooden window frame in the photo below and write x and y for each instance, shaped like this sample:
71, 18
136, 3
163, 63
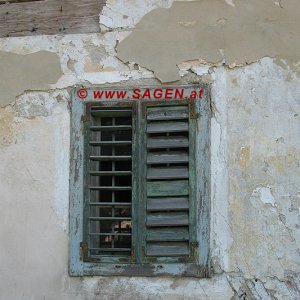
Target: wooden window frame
199, 180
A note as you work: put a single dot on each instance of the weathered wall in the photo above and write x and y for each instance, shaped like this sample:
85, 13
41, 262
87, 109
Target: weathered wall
215, 32
255, 170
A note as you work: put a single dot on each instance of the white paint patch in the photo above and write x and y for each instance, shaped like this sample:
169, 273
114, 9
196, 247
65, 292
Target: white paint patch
230, 2
221, 238
62, 150
127, 13
265, 195
34, 104
200, 70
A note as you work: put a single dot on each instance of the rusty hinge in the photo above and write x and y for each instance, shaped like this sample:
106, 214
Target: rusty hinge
134, 110
193, 112
83, 251
194, 250
143, 110
143, 253
85, 118
133, 257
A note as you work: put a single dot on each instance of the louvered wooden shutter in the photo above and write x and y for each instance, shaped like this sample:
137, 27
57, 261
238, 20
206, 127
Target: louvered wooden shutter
169, 192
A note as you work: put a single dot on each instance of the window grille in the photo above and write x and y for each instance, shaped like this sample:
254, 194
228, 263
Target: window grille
109, 182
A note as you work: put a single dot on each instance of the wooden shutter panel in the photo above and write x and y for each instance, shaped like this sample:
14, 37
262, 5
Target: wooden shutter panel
169, 220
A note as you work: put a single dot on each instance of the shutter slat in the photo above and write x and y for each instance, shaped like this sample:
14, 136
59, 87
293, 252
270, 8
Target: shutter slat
167, 142
167, 234
165, 158
161, 204
167, 219
159, 127
168, 173
167, 113
168, 188
168, 249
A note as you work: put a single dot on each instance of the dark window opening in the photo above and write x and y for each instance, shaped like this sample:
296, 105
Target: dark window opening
110, 182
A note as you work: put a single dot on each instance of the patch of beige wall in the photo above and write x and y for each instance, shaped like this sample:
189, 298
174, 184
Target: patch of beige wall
24, 72
234, 33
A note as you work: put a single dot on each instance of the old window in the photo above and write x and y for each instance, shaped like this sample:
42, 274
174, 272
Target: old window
139, 187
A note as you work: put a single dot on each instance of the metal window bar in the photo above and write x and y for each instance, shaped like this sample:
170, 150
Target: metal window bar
110, 159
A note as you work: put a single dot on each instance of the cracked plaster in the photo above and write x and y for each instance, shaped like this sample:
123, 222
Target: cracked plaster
215, 32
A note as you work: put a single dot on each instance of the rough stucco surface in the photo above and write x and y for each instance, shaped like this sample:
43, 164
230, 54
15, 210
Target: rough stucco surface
262, 123
21, 72
214, 32
255, 167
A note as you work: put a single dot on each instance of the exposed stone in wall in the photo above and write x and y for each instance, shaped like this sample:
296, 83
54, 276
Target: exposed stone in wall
234, 33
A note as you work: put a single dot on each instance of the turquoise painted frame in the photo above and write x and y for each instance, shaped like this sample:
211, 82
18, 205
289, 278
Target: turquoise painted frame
201, 135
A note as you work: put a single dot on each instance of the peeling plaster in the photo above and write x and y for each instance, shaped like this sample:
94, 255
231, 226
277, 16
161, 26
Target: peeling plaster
22, 72
75, 51
127, 13
34, 104
263, 203
166, 288
267, 288
265, 195
215, 32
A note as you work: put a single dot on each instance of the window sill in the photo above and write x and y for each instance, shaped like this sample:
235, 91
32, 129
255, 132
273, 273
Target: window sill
148, 270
